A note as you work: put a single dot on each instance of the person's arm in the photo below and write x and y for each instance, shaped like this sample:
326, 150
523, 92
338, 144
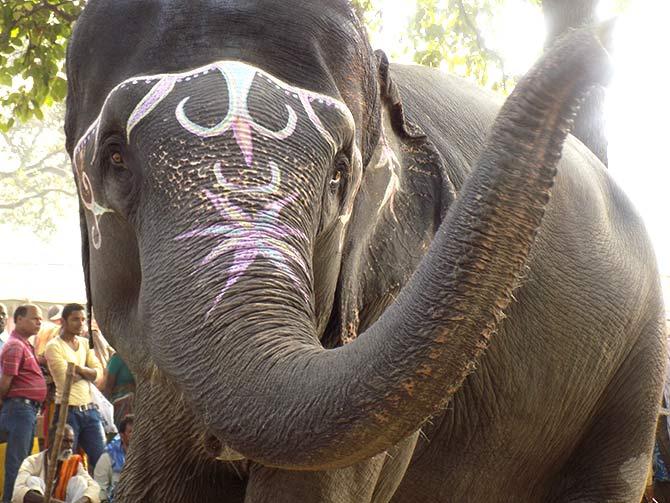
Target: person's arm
57, 364
11, 360
30, 467
92, 494
110, 382
5, 384
103, 475
21, 493
93, 368
113, 368
86, 373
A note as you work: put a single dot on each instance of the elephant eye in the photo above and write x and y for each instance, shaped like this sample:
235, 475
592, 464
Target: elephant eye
339, 173
337, 177
116, 158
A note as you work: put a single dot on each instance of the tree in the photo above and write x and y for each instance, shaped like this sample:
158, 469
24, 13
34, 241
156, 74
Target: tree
447, 34
33, 38
36, 186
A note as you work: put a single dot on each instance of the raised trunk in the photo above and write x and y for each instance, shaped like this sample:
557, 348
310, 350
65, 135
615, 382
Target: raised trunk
560, 17
284, 401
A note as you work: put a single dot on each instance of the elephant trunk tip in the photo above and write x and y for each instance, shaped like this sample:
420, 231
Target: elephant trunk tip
604, 32
586, 52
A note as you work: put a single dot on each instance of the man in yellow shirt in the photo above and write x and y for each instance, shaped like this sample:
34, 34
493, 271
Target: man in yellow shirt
83, 414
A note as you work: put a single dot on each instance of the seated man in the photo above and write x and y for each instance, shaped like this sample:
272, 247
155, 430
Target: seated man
73, 483
108, 469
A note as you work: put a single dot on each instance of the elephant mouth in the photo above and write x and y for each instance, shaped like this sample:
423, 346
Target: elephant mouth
221, 451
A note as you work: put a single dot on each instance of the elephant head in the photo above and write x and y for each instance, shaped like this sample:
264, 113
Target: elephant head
235, 172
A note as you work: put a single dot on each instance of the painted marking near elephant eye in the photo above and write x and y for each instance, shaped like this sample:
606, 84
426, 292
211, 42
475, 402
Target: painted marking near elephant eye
248, 237
86, 193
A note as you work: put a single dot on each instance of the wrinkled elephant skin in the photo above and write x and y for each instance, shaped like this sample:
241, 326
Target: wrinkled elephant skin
340, 280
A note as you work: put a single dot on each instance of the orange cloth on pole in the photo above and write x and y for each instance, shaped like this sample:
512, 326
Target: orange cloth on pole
68, 470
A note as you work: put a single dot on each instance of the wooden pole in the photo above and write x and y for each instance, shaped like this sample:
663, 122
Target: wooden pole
60, 431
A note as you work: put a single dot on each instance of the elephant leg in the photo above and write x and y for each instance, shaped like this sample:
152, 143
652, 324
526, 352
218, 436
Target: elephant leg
167, 461
612, 461
371, 481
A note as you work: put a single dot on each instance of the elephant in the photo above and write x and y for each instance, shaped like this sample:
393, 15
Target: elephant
338, 279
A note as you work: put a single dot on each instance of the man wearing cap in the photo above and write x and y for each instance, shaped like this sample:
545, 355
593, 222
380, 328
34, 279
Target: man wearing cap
22, 390
82, 414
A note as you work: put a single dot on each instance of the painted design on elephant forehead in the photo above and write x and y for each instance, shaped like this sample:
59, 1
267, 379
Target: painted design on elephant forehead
239, 77
269, 188
86, 194
248, 237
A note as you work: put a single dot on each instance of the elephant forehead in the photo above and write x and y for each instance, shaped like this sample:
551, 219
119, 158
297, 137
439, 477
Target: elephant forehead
149, 91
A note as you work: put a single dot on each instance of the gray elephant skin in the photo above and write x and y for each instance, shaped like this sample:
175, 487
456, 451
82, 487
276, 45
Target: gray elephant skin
340, 280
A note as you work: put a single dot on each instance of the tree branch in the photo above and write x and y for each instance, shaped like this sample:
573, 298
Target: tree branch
37, 168
36, 165
24, 200
491, 54
63, 15
55, 171
46, 6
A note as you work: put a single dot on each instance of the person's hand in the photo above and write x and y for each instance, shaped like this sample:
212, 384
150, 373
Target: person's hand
35, 497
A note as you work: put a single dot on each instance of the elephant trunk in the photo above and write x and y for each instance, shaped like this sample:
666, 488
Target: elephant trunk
278, 398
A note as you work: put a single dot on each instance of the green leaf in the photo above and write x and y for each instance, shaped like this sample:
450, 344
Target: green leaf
59, 89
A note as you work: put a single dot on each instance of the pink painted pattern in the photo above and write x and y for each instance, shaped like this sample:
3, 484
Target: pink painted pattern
248, 237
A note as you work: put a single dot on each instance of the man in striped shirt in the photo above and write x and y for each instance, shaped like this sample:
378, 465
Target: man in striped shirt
22, 391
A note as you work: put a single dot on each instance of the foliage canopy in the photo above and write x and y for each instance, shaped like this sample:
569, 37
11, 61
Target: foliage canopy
33, 40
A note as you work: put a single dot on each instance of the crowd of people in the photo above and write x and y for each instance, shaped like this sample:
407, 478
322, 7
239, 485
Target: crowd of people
33, 364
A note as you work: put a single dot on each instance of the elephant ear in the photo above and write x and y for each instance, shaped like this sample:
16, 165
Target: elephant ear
390, 96
404, 194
